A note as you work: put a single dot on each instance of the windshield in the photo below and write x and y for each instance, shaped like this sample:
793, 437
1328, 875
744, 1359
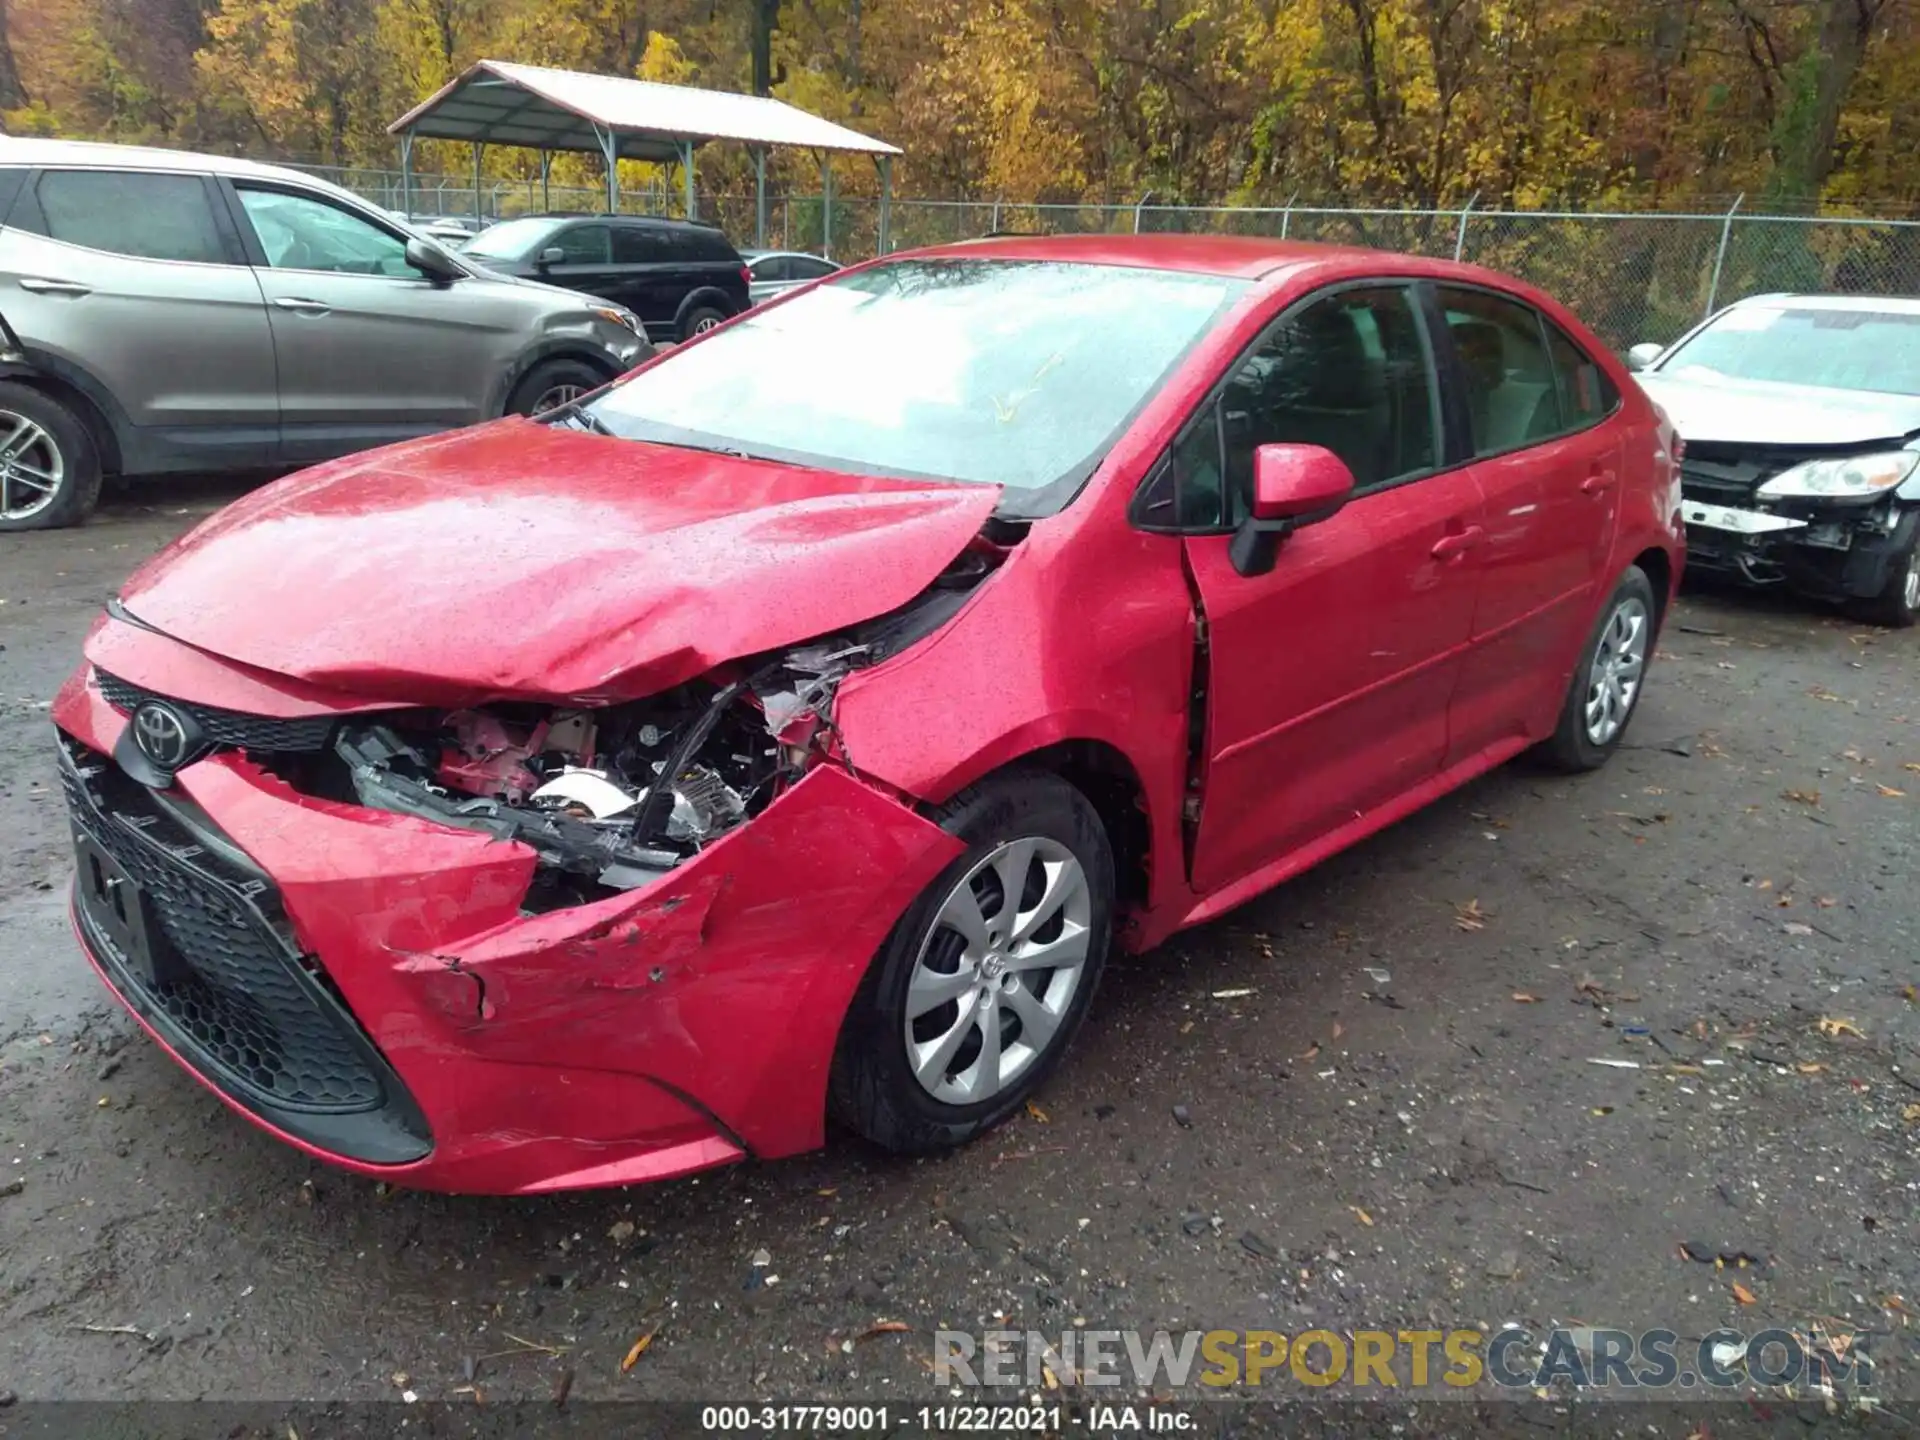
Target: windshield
509, 240
1005, 372
1875, 350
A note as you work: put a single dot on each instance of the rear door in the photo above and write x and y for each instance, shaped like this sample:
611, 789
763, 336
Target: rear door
1328, 679
138, 278
368, 349
1550, 470
653, 277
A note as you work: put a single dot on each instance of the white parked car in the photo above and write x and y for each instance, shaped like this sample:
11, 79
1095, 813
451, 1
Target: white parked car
769, 272
1801, 417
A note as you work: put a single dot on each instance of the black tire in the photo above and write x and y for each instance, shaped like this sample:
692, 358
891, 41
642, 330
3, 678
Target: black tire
1572, 747
700, 319
548, 377
66, 446
1897, 606
873, 1089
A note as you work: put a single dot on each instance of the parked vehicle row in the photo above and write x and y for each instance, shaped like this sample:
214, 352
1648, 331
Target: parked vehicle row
167, 312
787, 731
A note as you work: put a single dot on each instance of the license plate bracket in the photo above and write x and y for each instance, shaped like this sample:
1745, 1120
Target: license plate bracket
120, 910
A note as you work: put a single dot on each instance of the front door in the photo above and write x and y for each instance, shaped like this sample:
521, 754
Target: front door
1328, 678
369, 350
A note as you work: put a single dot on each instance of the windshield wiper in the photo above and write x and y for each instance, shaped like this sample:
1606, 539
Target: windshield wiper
573, 410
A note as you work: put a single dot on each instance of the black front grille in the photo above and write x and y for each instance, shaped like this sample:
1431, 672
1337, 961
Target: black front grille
232, 728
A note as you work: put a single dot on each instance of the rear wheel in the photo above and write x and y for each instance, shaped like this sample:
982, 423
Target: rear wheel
701, 319
981, 985
49, 463
553, 383
1898, 603
1607, 682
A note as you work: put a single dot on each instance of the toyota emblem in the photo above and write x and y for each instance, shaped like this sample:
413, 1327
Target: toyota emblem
163, 735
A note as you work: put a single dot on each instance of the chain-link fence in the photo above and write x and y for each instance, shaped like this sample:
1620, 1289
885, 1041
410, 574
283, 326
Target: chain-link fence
1632, 277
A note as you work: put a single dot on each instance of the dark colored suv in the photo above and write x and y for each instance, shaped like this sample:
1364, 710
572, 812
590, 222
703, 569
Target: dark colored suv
680, 278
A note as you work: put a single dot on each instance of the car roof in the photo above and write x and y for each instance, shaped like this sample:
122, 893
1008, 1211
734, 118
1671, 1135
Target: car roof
658, 222
18, 150
1239, 256
1892, 304
785, 255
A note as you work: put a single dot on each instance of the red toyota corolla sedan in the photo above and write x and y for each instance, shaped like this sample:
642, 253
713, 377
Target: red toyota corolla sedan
786, 732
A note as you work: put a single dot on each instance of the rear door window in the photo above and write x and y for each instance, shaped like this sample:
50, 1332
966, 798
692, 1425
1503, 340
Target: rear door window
635, 245
1587, 396
774, 267
129, 212
1511, 390
805, 267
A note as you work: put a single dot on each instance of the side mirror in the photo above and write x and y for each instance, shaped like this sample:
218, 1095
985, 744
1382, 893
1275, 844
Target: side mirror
1293, 485
552, 255
431, 262
1643, 355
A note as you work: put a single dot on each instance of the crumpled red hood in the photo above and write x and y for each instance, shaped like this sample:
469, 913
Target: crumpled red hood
526, 560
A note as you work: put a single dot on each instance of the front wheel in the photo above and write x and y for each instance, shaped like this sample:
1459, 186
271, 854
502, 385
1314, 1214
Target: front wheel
981, 985
553, 383
1898, 603
1607, 682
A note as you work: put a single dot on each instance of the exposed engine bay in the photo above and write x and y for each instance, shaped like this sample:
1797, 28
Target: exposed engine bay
612, 798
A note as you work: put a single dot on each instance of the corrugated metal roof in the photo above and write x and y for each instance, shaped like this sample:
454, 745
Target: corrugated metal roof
501, 103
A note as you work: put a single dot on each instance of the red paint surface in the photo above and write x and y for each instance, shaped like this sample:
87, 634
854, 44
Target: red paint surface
647, 1034
518, 560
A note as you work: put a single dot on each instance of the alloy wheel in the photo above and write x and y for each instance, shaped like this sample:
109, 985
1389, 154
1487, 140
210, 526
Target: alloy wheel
555, 396
31, 467
997, 970
1619, 662
1911, 588
704, 324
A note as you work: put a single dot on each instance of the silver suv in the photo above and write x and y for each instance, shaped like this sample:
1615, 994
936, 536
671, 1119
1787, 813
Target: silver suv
161, 311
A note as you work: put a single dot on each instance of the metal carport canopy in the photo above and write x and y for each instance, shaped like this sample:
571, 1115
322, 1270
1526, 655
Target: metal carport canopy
497, 102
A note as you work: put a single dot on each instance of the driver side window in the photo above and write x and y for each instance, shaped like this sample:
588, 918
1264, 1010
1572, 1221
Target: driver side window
299, 232
1348, 373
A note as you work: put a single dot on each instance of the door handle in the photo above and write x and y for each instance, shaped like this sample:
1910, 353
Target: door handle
1451, 547
40, 285
302, 306
1597, 482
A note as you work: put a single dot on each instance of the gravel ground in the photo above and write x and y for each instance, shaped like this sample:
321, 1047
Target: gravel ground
1368, 1099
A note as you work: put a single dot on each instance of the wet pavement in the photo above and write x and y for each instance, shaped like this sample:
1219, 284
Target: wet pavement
1368, 1099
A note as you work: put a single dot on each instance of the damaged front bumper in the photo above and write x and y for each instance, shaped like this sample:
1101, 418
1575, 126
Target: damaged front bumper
372, 987
1835, 551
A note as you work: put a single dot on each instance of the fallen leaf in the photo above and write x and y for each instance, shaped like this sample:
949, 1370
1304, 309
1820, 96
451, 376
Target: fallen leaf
828, 1191
1685, 1070
1911, 993
1311, 1051
1361, 1215
1801, 797
882, 1327
1046, 1374
1913, 765
1853, 753
1825, 902
1835, 1029
1338, 1030
1797, 927
620, 1230
1526, 999
1890, 792
1811, 1067
1911, 1114
1470, 916
639, 1349
1744, 1295
1037, 1113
